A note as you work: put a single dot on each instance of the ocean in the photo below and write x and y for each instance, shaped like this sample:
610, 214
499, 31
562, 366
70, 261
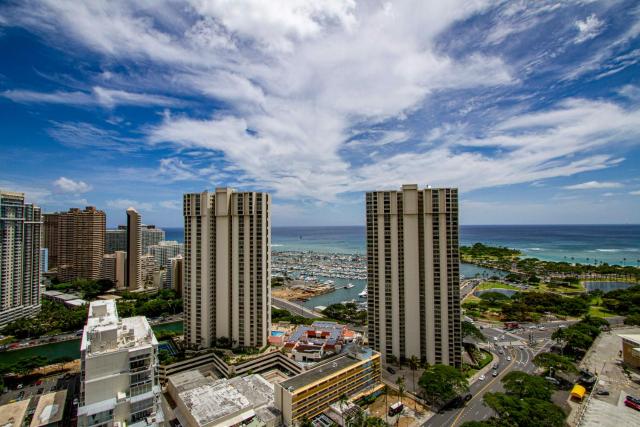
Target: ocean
614, 244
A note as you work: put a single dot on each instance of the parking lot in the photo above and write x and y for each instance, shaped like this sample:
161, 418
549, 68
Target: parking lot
36, 388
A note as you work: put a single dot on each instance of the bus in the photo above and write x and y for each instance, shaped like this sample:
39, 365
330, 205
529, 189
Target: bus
395, 409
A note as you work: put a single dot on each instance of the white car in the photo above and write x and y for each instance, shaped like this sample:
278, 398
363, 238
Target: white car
541, 328
509, 358
495, 338
532, 327
482, 378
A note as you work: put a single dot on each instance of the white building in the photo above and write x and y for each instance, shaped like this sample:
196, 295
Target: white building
164, 251
119, 370
174, 274
148, 268
150, 235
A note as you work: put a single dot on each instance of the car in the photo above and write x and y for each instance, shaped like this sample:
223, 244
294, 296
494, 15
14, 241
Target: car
20, 386
482, 377
500, 351
40, 390
552, 380
562, 326
602, 392
494, 374
532, 327
509, 358
39, 382
632, 404
391, 370
495, 338
633, 399
542, 328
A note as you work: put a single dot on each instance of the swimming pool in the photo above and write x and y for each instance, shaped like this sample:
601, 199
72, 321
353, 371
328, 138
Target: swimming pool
277, 333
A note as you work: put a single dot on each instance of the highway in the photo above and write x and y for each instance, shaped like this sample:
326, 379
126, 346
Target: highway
294, 308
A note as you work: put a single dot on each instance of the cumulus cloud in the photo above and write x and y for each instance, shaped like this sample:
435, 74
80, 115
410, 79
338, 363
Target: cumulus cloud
128, 203
588, 29
594, 185
67, 185
635, 193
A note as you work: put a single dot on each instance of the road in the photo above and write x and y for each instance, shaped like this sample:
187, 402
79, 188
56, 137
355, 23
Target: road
294, 308
514, 346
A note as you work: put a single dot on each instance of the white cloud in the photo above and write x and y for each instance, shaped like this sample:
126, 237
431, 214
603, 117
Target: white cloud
635, 193
100, 96
127, 203
67, 185
594, 185
588, 29
170, 204
87, 136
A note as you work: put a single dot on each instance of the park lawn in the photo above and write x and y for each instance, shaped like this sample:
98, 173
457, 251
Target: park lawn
543, 287
598, 311
493, 285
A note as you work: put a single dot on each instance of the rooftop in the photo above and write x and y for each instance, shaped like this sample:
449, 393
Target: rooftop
634, 338
12, 414
330, 367
50, 409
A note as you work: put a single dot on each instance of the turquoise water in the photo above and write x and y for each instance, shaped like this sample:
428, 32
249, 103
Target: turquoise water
614, 244
66, 348
277, 333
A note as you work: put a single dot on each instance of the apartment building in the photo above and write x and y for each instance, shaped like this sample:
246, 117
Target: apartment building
310, 393
134, 250
174, 276
150, 235
413, 274
119, 370
114, 267
75, 240
227, 268
20, 231
116, 240
164, 251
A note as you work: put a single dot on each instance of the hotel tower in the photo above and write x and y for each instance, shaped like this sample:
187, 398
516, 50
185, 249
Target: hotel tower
413, 274
133, 270
227, 268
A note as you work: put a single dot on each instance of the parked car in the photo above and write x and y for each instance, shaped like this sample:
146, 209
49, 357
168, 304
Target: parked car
633, 399
508, 358
495, 373
632, 404
20, 386
482, 377
39, 382
602, 392
495, 338
552, 380
391, 370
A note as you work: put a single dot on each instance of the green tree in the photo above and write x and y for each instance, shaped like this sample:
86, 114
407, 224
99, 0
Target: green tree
524, 385
441, 383
305, 422
555, 362
470, 330
493, 298
524, 412
414, 363
343, 401
632, 319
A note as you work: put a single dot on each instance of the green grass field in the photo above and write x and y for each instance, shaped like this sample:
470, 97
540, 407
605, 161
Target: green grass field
493, 285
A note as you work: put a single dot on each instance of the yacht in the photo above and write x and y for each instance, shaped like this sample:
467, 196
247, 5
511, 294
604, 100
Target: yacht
364, 293
349, 286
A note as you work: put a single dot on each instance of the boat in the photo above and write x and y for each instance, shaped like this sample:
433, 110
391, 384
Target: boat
349, 286
364, 293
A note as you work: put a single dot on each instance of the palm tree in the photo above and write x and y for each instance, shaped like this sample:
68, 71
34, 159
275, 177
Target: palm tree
343, 400
413, 365
400, 383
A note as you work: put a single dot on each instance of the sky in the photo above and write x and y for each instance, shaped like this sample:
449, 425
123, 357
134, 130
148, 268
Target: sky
530, 108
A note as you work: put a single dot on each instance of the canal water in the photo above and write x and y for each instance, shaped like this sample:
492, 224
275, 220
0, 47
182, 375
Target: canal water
606, 286
66, 348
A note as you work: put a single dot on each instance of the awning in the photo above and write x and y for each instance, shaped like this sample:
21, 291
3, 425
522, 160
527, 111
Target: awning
578, 391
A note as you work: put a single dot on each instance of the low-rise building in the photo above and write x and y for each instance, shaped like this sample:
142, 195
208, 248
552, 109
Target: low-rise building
13, 414
69, 300
321, 339
119, 370
202, 401
355, 374
114, 268
50, 410
631, 350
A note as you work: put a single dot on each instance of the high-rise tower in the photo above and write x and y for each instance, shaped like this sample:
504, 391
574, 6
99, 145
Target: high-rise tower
227, 268
134, 250
20, 228
413, 274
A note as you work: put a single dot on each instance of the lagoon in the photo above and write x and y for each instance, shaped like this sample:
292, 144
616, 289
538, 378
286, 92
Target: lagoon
606, 286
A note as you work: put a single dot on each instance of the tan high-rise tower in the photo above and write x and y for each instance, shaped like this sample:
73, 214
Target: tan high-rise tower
413, 274
134, 250
227, 268
75, 240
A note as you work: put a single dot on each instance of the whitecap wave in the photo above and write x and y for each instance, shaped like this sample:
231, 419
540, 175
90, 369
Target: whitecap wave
274, 245
609, 250
535, 249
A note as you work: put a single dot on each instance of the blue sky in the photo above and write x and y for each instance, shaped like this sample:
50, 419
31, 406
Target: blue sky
531, 108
